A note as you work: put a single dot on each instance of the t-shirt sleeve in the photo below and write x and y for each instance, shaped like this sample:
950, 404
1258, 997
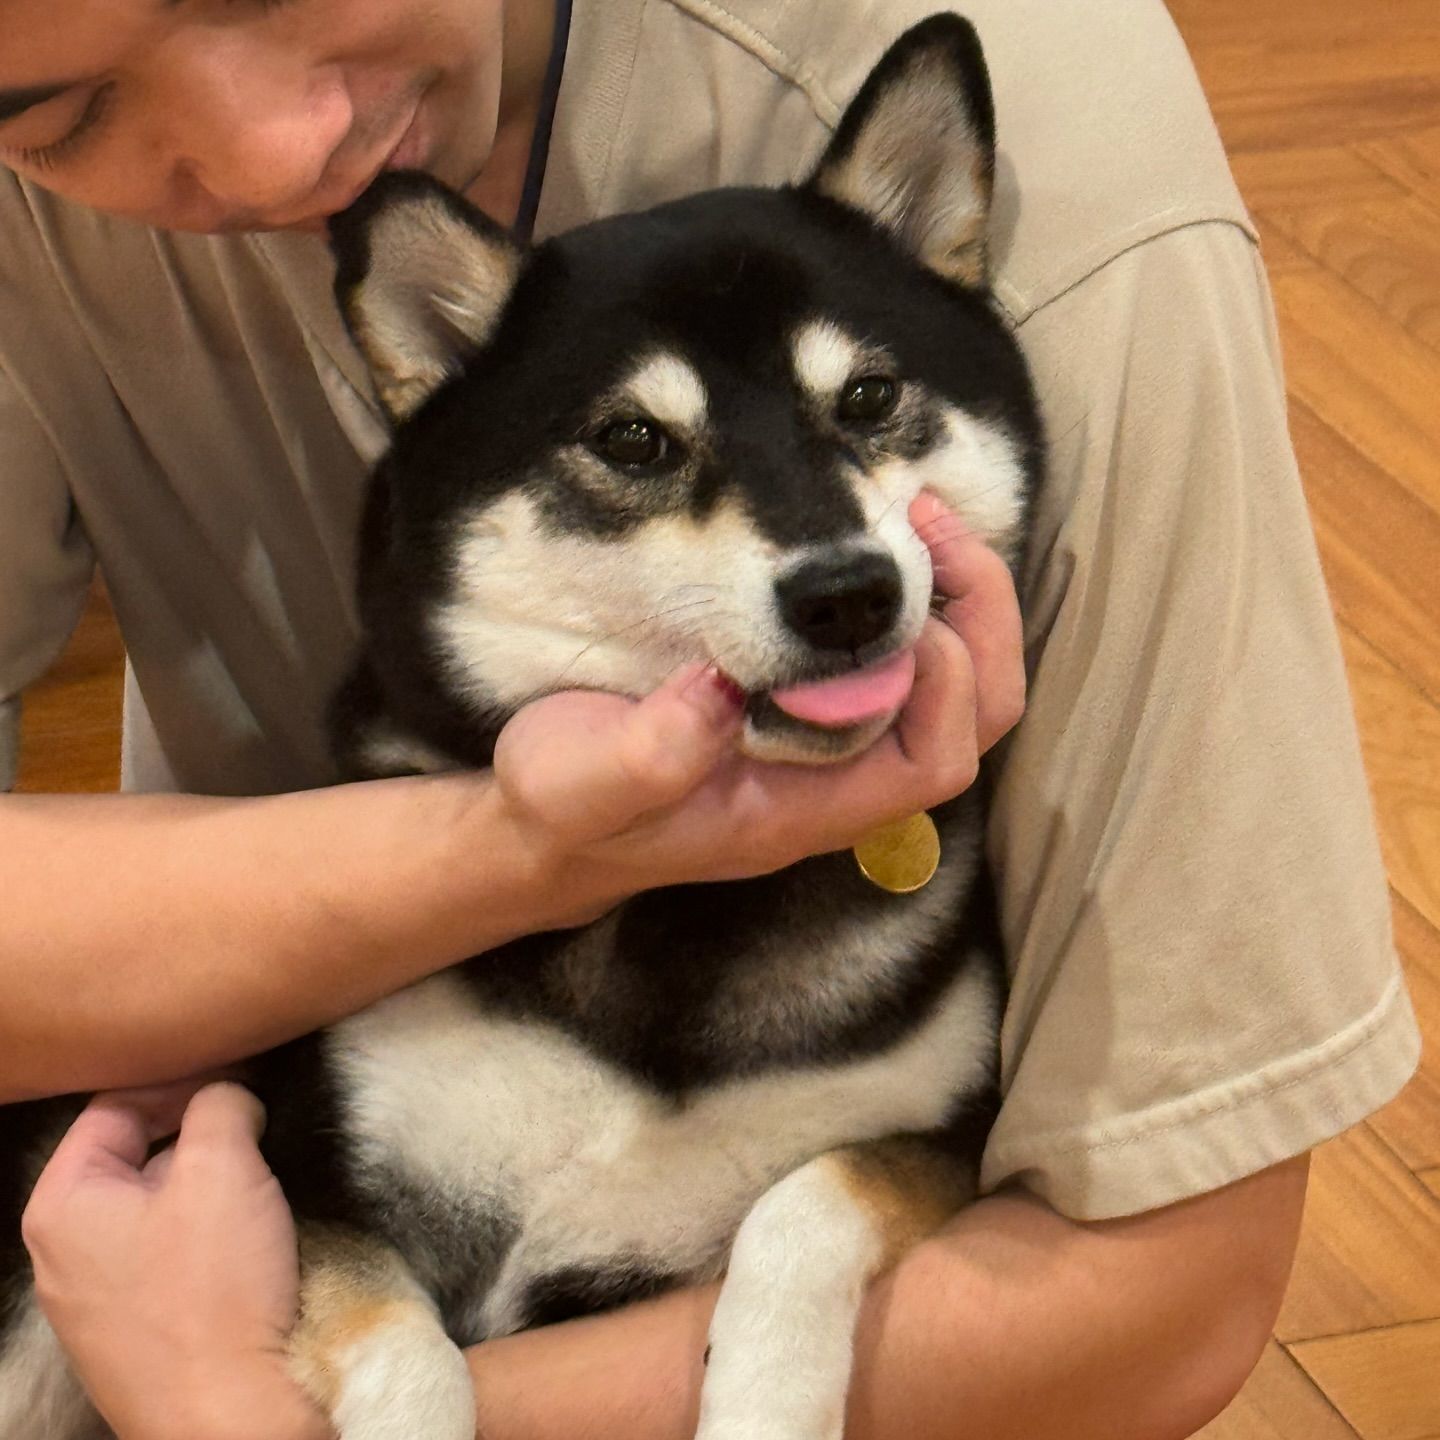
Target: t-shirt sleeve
45, 563
1204, 982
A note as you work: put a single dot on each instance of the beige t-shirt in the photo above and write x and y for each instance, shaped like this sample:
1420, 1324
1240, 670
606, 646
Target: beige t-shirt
1196, 916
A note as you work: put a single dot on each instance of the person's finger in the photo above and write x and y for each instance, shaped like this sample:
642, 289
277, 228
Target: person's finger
936, 729
158, 1167
935, 522
982, 608
638, 755
162, 1106
109, 1140
675, 736
223, 1118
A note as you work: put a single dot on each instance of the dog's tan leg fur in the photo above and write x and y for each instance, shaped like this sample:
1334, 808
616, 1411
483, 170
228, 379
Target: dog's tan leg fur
781, 1342
907, 1185
369, 1347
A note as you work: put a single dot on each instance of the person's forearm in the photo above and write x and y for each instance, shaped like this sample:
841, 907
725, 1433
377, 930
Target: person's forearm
1015, 1324
148, 937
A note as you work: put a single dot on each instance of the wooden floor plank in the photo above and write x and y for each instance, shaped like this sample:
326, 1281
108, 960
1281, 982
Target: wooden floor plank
1285, 75
70, 722
1410, 1124
1400, 736
1367, 1254
1280, 1402
1284, 178
1314, 95
1386, 1383
1282, 256
1379, 545
1208, 24
1388, 250
1411, 158
1430, 1179
1375, 385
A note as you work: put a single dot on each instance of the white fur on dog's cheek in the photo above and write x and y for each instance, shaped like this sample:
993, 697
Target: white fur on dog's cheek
534, 611
976, 470
892, 528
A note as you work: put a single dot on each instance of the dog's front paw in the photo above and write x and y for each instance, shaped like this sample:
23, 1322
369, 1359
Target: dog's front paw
403, 1382
369, 1348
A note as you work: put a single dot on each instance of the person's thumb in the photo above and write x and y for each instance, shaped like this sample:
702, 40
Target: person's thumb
589, 764
672, 739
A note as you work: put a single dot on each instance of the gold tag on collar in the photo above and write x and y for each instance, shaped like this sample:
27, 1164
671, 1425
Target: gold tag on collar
900, 857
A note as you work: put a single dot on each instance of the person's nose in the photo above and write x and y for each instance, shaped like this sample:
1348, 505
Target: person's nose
254, 127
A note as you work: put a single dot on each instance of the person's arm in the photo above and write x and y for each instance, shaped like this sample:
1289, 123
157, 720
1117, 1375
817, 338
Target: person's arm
1013, 1324
150, 937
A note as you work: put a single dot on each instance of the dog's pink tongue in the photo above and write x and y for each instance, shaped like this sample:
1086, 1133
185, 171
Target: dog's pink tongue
848, 699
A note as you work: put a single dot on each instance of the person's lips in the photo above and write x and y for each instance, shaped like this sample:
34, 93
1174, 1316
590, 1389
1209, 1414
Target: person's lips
410, 152
405, 150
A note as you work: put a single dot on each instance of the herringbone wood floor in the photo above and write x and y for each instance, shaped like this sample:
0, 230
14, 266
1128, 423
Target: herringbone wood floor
1331, 112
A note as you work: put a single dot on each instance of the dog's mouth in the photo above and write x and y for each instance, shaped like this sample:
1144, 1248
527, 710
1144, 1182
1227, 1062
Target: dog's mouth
829, 719
856, 697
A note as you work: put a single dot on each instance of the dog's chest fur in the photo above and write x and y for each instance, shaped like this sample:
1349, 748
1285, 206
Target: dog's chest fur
534, 1157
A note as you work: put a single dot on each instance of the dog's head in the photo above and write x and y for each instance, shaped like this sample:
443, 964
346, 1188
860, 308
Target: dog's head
688, 434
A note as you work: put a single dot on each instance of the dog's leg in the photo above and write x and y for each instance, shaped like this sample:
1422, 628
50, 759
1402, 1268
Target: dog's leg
369, 1346
781, 1341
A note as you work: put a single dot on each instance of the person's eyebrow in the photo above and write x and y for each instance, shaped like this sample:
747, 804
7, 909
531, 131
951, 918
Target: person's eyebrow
17, 102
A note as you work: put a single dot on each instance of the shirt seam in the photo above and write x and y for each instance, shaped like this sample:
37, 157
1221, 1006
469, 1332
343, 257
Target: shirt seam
605, 169
1139, 234
1360, 1033
761, 48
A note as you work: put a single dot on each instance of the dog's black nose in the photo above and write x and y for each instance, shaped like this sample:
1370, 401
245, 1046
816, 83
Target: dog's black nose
841, 604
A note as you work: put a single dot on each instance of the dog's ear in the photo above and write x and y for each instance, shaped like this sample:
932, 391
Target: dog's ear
421, 277
915, 151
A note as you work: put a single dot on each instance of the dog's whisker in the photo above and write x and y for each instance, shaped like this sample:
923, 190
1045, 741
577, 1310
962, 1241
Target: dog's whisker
625, 629
875, 524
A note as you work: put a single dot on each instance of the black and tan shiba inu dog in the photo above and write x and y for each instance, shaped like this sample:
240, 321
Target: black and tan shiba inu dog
688, 434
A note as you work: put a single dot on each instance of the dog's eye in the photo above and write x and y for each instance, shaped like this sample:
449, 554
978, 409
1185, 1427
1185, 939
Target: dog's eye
633, 442
866, 399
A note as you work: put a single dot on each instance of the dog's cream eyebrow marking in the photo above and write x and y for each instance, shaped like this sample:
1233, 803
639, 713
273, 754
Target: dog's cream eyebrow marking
825, 357
668, 389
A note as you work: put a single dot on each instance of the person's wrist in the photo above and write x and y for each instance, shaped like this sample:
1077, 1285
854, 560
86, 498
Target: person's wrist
252, 1398
557, 884
573, 884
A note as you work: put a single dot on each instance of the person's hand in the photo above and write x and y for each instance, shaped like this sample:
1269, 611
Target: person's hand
635, 794
172, 1281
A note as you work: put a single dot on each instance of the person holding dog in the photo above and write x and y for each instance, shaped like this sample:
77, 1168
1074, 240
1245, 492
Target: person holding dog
1203, 984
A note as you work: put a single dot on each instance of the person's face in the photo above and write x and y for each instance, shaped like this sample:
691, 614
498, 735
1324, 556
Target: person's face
243, 114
